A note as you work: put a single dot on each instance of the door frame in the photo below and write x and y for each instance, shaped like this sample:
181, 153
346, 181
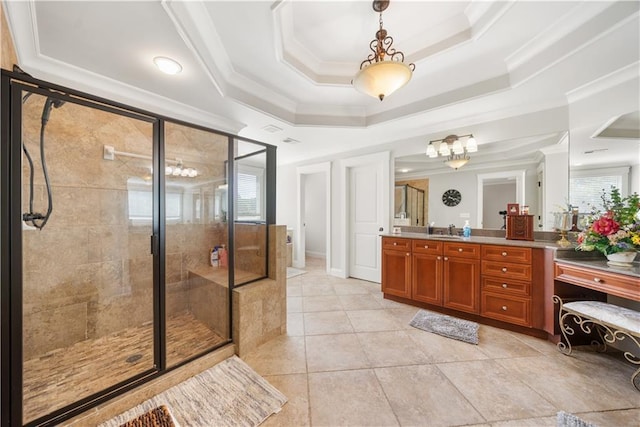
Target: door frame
383, 158
518, 175
299, 237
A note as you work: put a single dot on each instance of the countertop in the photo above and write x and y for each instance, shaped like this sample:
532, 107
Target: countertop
601, 264
476, 239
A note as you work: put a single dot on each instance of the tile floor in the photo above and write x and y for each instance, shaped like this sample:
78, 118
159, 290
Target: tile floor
350, 358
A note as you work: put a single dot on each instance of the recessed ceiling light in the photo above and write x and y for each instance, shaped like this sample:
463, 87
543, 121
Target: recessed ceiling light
290, 141
167, 65
405, 170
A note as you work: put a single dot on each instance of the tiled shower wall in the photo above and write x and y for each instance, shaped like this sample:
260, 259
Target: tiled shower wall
88, 273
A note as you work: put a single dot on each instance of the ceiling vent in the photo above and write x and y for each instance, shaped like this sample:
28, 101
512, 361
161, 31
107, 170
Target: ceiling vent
271, 129
290, 141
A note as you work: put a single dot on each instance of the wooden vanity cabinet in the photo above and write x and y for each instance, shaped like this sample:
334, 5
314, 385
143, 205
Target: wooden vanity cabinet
426, 282
461, 276
507, 273
396, 266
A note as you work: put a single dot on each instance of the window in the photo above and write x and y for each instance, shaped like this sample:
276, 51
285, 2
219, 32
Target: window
586, 186
140, 200
250, 193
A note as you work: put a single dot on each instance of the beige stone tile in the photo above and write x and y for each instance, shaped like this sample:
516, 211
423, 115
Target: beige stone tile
528, 422
294, 304
334, 353
442, 349
391, 348
294, 290
372, 320
321, 303
313, 289
403, 315
497, 343
495, 392
327, 322
624, 417
296, 411
576, 386
348, 398
282, 355
359, 302
295, 324
423, 396
350, 288
541, 345
387, 303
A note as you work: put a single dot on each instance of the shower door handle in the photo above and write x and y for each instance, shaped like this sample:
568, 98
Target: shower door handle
153, 244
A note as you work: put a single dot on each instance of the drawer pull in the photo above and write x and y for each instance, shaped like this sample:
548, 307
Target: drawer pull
597, 279
459, 249
504, 269
504, 308
504, 254
426, 246
504, 285
395, 243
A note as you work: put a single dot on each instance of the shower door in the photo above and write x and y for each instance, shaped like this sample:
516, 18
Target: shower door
87, 267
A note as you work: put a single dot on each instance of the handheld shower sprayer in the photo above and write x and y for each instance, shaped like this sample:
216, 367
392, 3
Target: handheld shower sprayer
31, 216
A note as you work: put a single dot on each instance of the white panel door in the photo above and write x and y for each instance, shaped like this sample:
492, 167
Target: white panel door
366, 189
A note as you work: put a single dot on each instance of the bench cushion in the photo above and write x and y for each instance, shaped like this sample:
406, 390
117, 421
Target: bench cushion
613, 315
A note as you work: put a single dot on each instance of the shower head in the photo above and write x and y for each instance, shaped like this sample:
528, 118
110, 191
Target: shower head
46, 111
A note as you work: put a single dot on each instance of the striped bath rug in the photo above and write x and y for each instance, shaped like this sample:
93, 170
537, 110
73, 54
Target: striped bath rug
229, 394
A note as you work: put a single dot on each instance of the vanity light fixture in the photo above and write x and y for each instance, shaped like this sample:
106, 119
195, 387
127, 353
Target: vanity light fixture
455, 150
380, 77
167, 65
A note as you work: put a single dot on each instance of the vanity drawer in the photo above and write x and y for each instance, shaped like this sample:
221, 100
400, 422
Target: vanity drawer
511, 309
506, 254
396, 244
462, 250
506, 286
620, 285
507, 270
428, 247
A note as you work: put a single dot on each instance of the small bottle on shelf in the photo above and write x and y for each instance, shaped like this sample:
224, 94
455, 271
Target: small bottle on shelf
224, 259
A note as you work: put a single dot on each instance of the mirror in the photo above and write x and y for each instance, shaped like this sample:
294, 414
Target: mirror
409, 205
604, 153
528, 170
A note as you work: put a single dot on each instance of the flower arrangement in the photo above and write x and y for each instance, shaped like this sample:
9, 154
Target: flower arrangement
616, 228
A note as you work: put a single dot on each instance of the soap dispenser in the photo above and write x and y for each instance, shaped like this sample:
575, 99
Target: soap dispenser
466, 230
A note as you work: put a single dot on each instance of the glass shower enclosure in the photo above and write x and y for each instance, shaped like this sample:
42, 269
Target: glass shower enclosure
110, 216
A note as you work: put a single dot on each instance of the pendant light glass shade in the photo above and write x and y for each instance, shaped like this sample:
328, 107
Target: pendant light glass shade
382, 78
454, 149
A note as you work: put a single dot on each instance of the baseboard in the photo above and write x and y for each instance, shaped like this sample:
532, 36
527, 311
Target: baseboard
338, 272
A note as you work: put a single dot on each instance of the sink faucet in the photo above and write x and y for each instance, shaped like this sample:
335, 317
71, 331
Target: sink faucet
452, 229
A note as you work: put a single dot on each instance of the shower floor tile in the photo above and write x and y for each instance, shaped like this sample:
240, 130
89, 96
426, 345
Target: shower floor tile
65, 375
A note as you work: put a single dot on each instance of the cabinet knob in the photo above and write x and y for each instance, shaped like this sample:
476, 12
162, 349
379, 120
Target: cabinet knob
459, 249
439, 257
446, 258
504, 254
597, 279
408, 254
395, 243
504, 285
504, 308
504, 269
426, 246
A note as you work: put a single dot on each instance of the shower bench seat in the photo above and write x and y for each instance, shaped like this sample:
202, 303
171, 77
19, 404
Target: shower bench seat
611, 322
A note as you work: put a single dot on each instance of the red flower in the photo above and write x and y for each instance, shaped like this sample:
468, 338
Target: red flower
580, 238
605, 225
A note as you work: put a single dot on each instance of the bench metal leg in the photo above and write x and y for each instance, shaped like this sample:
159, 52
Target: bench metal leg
606, 334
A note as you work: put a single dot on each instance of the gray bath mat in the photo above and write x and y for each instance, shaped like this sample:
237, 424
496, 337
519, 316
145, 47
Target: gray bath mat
565, 419
447, 326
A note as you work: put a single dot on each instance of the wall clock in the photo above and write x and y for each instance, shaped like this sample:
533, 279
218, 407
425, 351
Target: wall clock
451, 197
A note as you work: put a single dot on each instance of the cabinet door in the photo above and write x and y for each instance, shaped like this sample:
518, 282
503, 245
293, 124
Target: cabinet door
427, 278
461, 284
396, 273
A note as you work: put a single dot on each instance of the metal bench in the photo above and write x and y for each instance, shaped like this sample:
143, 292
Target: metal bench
611, 322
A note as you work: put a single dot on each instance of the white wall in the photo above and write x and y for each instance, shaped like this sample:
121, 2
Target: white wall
496, 198
556, 177
315, 214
